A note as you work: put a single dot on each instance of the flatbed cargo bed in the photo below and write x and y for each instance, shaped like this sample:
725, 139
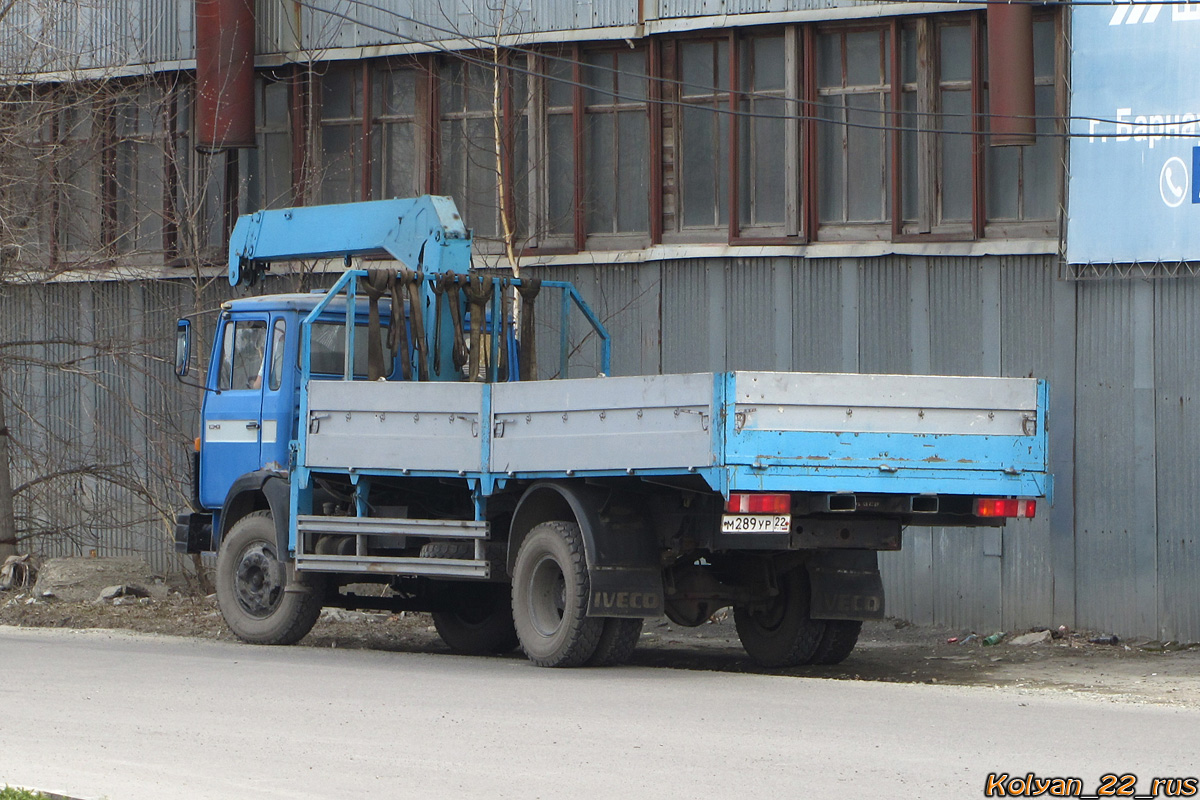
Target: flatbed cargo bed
740, 431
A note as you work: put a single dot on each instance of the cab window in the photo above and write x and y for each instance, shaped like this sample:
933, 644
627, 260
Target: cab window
242, 347
329, 348
278, 333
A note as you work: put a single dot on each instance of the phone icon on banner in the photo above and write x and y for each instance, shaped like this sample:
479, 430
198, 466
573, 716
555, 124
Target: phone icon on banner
1173, 181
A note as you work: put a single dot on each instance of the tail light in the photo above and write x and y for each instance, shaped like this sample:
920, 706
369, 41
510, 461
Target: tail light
1005, 507
747, 503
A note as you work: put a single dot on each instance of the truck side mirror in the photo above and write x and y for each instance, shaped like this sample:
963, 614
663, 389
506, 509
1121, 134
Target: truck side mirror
183, 347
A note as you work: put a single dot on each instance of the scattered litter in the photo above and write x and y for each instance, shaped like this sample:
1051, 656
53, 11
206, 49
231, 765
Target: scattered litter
995, 638
1037, 637
1110, 639
17, 572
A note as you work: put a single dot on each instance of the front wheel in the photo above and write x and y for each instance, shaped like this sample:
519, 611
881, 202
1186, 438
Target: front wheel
779, 632
550, 595
252, 582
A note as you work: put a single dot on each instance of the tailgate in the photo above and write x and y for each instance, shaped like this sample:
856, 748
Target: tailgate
895, 433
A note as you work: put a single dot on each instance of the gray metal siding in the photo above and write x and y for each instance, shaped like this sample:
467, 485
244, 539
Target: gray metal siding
816, 314
1026, 321
1112, 591
883, 323
50, 35
1177, 429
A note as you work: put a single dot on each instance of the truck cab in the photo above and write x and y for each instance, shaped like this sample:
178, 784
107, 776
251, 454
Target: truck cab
252, 392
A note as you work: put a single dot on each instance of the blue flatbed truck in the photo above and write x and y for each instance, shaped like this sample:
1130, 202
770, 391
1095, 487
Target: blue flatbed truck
387, 431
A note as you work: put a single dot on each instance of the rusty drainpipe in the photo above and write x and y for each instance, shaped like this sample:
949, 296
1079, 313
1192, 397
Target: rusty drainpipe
1010, 73
224, 74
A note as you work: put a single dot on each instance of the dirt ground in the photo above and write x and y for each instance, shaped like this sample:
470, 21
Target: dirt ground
1139, 672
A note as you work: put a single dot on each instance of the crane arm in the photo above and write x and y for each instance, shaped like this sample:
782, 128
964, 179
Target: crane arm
424, 233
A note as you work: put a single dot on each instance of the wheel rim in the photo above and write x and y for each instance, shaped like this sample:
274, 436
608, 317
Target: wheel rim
547, 596
258, 584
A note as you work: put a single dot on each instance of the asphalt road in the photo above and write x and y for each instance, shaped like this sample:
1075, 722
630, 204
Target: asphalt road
122, 716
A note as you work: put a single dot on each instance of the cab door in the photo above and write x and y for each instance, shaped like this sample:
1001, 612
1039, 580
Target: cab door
232, 415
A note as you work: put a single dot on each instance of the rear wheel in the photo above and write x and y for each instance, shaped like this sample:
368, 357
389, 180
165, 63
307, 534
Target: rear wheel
479, 620
838, 641
252, 586
549, 596
617, 642
779, 632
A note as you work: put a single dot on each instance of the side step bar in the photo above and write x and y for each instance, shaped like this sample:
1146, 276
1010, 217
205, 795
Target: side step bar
308, 527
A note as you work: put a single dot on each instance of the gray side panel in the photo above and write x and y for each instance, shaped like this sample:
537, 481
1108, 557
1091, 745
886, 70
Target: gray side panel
1177, 422
816, 315
693, 316
417, 426
1026, 322
955, 304
603, 423
1110, 588
755, 305
883, 323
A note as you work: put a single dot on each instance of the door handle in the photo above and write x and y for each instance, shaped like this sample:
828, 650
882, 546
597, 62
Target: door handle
252, 426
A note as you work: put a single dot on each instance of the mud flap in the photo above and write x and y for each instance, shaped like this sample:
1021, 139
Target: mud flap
846, 585
625, 592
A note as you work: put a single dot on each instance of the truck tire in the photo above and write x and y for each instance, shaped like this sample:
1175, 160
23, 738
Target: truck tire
550, 596
250, 586
781, 633
617, 642
838, 641
479, 621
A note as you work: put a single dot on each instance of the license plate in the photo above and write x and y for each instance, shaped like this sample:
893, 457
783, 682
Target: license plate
756, 523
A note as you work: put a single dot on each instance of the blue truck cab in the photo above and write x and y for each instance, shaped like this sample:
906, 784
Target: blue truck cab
252, 396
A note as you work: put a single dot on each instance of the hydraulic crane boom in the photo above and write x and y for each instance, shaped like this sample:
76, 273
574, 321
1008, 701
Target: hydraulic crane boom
424, 233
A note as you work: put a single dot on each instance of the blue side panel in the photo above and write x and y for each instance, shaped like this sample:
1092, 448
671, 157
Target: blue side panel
885, 451
902, 481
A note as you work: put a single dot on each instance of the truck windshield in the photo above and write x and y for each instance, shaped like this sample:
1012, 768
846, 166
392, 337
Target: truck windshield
329, 348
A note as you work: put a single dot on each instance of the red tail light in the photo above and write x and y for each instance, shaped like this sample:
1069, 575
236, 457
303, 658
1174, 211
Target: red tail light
1005, 507
745, 503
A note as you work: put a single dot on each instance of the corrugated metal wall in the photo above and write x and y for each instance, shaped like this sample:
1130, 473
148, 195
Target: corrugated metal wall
1122, 554
55, 35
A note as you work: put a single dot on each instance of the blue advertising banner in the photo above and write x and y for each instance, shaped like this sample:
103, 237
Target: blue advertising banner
1133, 192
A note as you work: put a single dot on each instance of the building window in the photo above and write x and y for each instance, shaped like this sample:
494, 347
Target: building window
768, 163
468, 143
853, 158
702, 134
200, 193
616, 142
397, 157
78, 149
341, 135
1023, 182
557, 168
141, 115
937, 141
266, 171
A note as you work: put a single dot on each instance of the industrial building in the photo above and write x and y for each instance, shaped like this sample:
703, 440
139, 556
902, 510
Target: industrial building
813, 185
